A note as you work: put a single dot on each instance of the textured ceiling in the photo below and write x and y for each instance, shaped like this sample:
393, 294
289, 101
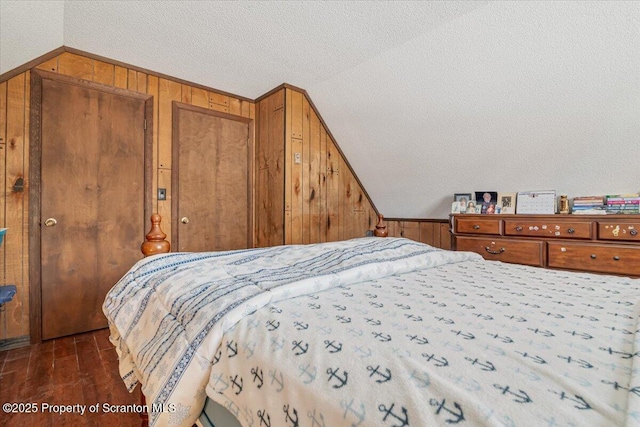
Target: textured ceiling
248, 47
426, 99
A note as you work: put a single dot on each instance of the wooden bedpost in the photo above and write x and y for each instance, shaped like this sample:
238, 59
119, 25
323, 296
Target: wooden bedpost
381, 229
155, 243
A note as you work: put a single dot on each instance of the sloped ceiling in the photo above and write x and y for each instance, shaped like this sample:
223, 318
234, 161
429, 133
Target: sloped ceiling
426, 99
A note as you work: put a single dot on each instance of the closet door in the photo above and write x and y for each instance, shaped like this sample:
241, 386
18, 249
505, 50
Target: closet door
91, 150
212, 180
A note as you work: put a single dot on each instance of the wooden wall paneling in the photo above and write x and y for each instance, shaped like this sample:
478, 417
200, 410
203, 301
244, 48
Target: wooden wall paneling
296, 168
199, 97
262, 183
322, 185
245, 109
186, 94
276, 162
334, 193
142, 82
235, 107
14, 118
219, 102
74, 65
164, 207
287, 168
314, 178
25, 205
349, 211
16, 136
168, 91
50, 65
427, 233
411, 230
153, 90
393, 228
121, 75
103, 73
132, 80
373, 218
356, 213
445, 235
3, 130
218, 98
262, 217
306, 178
3, 150
270, 161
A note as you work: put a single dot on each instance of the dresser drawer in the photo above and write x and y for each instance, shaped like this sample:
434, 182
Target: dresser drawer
613, 259
548, 228
611, 230
529, 252
478, 225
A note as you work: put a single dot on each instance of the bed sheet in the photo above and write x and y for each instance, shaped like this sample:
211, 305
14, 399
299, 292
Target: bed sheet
464, 343
376, 332
167, 315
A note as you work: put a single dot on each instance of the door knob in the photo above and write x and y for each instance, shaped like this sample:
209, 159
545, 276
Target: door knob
185, 220
50, 222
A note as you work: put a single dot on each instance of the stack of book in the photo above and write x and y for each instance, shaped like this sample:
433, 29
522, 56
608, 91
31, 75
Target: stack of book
589, 205
623, 204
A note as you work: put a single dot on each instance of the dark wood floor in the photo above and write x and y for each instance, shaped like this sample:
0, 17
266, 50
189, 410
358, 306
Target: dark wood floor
76, 370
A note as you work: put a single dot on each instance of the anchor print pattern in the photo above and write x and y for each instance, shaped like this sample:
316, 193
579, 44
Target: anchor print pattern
500, 333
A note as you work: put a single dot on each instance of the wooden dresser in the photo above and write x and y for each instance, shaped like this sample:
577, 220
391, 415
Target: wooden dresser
595, 243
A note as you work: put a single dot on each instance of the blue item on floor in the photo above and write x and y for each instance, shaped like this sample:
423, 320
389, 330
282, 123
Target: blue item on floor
6, 293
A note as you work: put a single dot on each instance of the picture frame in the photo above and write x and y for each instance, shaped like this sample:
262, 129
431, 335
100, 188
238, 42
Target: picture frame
455, 207
507, 202
487, 201
463, 199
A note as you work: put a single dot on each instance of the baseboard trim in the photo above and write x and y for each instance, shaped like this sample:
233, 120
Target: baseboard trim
17, 342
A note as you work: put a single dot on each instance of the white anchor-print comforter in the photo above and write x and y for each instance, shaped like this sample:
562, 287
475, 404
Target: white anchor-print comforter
377, 332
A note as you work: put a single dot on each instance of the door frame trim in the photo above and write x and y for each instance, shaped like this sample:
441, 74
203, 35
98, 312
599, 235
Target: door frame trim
176, 108
35, 176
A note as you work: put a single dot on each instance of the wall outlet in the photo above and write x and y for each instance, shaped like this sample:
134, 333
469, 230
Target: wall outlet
162, 194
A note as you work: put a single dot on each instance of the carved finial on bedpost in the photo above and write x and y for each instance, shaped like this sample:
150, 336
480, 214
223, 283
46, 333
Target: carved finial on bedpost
156, 243
381, 229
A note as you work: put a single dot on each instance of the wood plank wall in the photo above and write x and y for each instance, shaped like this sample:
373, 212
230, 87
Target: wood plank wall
432, 232
14, 149
323, 201
317, 199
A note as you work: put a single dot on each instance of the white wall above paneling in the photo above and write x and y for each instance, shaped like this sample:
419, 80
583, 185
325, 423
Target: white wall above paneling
425, 98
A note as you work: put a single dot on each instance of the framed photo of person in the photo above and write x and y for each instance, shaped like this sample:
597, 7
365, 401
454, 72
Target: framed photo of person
463, 199
507, 202
487, 201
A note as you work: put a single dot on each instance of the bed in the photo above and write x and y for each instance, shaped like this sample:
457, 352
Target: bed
375, 332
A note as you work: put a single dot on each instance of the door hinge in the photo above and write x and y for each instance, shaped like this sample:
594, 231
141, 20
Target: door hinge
145, 124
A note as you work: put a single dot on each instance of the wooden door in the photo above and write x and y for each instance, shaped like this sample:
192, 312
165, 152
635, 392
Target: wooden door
93, 154
212, 180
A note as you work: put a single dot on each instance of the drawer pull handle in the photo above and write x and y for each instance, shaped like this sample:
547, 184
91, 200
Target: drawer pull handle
571, 230
593, 256
616, 258
634, 232
491, 251
476, 227
519, 228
